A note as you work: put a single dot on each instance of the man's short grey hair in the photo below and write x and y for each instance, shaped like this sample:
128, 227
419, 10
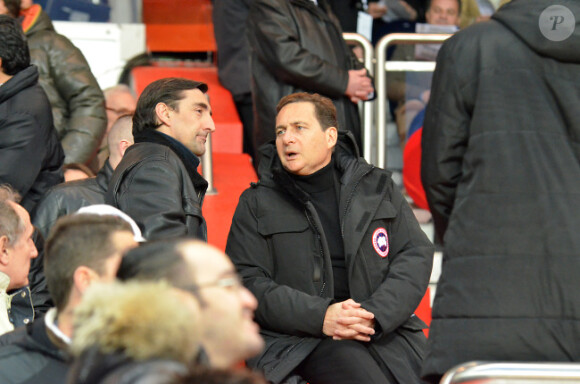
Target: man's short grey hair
11, 225
120, 88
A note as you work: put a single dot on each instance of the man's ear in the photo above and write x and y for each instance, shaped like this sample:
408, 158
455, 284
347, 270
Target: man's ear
83, 277
331, 136
4, 256
162, 113
123, 145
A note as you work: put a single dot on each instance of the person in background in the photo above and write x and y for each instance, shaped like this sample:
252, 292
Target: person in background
229, 19
501, 172
76, 98
31, 156
10, 8
298, 46
82, 249
119, 101
67, 198
409, 91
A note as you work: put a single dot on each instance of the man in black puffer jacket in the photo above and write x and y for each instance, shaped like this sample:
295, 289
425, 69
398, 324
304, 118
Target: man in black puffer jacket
31, 156
334, 255
501, 170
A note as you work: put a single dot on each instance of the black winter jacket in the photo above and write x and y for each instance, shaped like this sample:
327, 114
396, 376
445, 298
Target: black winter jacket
28, 356
295, 47
68, 198
93, 367
152, 185
31, 156
284, 261
78, 104
501, 169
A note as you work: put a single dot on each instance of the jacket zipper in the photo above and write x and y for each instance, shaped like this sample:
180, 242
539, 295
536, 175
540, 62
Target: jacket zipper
350, 199
319, 249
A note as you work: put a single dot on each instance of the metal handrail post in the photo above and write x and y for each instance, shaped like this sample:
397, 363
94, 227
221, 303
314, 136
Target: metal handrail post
381, 79
207, 166
367, 107
518, 372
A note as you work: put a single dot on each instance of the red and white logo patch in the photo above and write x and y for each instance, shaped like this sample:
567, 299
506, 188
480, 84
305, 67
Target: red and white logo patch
381, 242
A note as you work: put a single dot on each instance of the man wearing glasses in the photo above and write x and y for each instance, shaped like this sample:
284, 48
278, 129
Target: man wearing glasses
229, 333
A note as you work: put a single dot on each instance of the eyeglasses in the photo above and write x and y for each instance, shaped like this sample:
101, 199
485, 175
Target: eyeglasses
231, 283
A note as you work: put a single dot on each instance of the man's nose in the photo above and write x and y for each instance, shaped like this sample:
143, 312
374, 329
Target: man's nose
34, 252
210, 124
248, 299
288, 137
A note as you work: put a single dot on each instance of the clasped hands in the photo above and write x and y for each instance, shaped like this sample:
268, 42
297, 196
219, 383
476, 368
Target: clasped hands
348, 321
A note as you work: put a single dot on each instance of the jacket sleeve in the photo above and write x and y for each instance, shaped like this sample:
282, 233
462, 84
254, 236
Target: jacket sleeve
445, 136
151, 195
280, 308
411, 262
22, 152
77, 86
273, 36
46, 212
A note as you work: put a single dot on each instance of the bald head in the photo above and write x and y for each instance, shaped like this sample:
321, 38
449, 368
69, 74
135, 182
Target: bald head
119, 139
119, 101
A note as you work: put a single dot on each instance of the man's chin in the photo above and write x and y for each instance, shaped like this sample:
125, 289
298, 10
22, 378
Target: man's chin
254, 345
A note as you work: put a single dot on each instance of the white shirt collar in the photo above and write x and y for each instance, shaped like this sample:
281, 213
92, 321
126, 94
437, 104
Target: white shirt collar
50, 321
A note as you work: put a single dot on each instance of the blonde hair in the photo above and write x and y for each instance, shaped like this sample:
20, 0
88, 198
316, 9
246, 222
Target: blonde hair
142, 320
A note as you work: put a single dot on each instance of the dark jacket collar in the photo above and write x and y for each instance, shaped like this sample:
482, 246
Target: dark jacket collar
272, 173
23, 79
34, 337
188, 158
104, 176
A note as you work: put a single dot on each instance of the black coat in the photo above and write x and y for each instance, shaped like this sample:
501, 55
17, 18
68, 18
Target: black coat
78, 104
68, 198
501, 170
295, 47
28, 356
94, 367
31, 156
229, 20
285, 262
153, 186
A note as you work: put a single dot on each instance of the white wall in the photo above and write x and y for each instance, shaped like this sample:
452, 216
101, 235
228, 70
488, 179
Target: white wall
106, 46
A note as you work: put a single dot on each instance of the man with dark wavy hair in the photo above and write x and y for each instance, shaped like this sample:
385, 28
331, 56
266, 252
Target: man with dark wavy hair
31, 156
157, 182
10, 7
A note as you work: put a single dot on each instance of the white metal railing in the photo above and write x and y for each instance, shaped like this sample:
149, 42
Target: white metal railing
366, 108
381, 79
511, 373
207, 166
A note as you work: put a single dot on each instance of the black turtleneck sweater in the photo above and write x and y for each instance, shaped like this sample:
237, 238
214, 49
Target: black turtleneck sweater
323, 189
